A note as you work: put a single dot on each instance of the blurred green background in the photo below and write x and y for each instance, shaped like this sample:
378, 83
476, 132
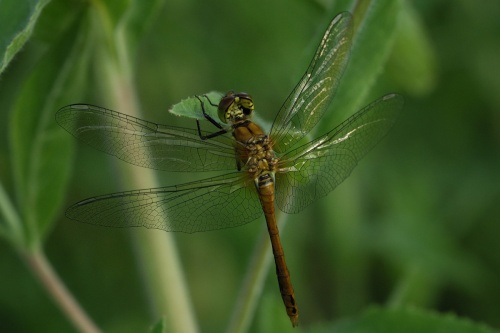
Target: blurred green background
417, 223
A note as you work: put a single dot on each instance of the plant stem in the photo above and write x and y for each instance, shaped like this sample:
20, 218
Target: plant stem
160, 266
55, 287
156, 250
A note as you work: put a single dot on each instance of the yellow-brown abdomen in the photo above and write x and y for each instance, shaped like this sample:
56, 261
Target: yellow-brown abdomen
265, 186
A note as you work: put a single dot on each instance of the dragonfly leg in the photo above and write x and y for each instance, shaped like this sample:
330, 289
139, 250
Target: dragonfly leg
215, 123
211, 135
209, 101
205, 114
210, 119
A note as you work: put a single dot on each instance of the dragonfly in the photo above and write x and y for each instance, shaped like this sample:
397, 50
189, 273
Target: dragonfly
258, 171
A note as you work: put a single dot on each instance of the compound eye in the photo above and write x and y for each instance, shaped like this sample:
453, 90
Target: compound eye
224, 105
225, 102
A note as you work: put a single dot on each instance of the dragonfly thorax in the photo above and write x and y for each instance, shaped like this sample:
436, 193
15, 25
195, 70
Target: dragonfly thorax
235, 107
254, 149
261, 157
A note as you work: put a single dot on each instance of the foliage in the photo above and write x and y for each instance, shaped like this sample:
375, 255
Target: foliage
414, 229
190, 107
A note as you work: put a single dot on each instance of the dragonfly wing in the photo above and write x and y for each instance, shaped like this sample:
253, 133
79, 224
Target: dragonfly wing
145, 143
313, 94
214, 203
311, 171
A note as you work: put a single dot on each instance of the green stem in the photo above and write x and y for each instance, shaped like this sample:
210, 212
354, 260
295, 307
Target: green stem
156, 250
55, 287
43, 270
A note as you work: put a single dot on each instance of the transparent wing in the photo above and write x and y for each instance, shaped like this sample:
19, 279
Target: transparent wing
145, 143
313, 170
313, 94
214, 203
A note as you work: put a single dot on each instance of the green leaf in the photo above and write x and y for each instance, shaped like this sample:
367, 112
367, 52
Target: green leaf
190, 107
413, 62
408, 320
42, 152
10, 223
159, 327
138, 18
18, 19
375, 24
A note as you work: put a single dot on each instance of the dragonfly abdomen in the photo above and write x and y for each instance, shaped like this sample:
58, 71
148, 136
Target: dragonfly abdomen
265, 187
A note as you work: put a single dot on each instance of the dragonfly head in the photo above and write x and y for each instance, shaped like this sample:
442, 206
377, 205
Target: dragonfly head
235, 107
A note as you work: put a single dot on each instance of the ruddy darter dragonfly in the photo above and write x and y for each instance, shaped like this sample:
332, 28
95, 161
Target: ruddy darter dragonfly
261, 170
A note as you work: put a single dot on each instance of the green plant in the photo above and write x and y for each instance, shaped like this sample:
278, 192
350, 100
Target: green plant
416, 226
